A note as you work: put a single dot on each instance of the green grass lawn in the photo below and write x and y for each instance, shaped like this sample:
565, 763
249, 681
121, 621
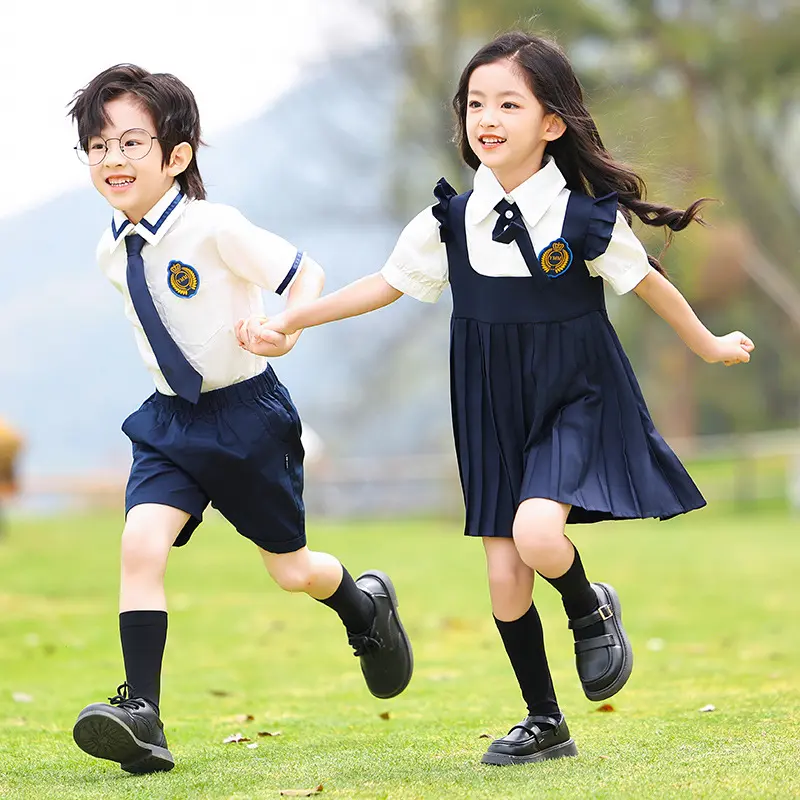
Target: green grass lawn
711, 604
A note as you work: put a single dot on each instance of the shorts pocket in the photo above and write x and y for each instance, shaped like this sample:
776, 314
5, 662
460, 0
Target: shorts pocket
277, 419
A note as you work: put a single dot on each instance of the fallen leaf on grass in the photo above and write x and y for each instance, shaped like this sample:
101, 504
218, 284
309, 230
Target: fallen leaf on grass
604, 757
252, 746
455, 624
244, 718
605, 707
235, 738
269, 733
709, 707
21, 697
384, 715
484, 736
219, 692
301, 792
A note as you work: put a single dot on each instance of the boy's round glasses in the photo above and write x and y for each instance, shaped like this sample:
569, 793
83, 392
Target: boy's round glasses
134, 144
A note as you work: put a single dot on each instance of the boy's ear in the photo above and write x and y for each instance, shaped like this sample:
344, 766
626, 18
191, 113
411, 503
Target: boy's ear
554, 127
179, 159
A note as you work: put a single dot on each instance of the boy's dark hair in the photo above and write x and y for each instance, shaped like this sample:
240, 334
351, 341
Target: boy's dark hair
579, 152
169, 102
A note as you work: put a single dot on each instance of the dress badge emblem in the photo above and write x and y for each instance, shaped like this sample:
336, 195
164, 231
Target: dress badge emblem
556, 258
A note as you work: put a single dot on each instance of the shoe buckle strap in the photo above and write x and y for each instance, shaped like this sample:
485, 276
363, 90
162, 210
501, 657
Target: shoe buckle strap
600, 614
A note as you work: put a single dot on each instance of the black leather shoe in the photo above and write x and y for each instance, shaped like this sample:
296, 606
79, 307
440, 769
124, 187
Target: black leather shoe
127, 731
604, 662
385, 651
532, 741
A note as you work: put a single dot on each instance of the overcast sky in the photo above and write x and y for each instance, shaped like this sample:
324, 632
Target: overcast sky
236, 55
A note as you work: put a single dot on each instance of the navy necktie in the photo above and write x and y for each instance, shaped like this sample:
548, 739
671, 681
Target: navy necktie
182, 377
511, 227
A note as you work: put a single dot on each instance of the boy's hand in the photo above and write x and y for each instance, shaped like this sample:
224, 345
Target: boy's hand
735, 348
253, 335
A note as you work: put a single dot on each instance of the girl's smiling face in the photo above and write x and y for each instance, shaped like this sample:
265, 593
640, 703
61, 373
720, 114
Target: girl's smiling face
133, 186
507, 127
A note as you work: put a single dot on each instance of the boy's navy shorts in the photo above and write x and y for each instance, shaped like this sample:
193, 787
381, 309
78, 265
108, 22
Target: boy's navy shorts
238, 449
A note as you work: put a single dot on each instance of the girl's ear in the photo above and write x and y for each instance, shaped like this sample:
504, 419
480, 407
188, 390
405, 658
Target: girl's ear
179, 159
554, 127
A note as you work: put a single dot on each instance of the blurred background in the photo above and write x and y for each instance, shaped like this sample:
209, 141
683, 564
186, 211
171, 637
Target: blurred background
329, 122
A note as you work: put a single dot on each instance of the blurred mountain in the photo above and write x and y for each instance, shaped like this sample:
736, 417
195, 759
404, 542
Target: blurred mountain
314, 169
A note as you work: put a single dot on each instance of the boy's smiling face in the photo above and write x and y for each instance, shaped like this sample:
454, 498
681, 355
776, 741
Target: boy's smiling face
134, 186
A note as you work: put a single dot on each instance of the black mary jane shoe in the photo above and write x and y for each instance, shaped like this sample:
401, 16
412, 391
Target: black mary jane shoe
604, 662
387, 660
127, 730
536, 738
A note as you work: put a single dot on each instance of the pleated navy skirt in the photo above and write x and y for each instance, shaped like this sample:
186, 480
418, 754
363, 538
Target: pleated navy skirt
544, 400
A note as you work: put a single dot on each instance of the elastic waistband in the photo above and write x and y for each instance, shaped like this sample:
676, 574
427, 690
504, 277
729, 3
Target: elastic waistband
217, 399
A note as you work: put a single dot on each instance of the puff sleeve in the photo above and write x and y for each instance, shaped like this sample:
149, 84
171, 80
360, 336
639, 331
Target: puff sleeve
418, 264
612, 251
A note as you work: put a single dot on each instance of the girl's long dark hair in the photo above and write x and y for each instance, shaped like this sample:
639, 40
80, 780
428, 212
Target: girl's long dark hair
579, 153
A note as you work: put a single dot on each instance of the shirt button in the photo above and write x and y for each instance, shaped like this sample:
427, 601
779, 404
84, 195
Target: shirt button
509, 214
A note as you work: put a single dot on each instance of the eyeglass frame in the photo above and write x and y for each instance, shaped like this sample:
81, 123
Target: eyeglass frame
77, 148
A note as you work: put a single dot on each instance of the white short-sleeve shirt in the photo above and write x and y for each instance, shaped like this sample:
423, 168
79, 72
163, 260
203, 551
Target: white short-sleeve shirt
418, 263
231, 259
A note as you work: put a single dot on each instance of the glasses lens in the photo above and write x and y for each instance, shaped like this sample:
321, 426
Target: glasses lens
135, 143
91, 150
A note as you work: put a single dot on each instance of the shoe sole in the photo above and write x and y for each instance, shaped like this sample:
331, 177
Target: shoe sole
104, 736
627, 650
386, 581
565, 750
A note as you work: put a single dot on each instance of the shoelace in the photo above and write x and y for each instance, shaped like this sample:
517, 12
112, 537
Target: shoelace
124, 700
363, 643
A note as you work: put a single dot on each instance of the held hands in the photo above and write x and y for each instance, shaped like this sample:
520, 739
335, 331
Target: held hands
264, 337
734, 348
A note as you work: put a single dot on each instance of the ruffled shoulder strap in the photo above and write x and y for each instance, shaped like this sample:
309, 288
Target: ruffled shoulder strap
600, 226
444, 193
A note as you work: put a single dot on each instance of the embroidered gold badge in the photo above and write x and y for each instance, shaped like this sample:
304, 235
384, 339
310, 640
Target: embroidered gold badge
183, 279
556, 258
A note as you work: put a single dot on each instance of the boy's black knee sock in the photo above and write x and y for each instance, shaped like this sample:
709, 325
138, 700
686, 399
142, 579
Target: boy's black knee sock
524, 642
577, 596
143, 635
354, 606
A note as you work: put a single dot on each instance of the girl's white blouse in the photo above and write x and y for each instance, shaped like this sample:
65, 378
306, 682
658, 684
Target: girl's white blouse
418, 263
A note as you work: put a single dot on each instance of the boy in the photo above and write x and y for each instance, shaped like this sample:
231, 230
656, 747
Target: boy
220, 427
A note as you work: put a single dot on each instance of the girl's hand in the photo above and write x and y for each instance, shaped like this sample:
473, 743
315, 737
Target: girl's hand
279, 324
735, 348
254, 336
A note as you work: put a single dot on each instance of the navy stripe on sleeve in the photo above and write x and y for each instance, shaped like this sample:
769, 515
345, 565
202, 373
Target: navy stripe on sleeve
290, 274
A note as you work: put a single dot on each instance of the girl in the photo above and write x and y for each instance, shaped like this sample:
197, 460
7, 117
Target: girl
549, 422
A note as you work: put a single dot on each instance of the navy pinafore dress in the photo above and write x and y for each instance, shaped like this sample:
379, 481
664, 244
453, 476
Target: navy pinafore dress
544, 400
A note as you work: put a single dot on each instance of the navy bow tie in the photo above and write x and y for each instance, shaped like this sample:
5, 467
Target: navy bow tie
509, 225
182, 377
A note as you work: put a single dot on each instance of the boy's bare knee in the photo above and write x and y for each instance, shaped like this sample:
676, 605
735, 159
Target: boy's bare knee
142, 551
292, 579
291, 571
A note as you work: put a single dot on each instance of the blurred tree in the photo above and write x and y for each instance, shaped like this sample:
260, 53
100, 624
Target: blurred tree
706, 94
10, 446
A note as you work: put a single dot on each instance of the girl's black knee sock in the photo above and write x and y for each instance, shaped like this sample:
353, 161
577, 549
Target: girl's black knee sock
524, 642
577, 596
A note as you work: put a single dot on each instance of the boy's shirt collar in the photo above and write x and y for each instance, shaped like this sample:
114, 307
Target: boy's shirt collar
155, 223
533, 197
